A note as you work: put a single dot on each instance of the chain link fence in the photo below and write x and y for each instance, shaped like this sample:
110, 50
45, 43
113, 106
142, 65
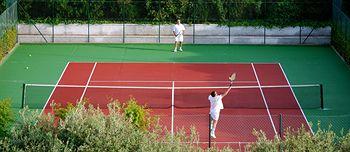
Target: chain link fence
151, 21
8, 29
341, 30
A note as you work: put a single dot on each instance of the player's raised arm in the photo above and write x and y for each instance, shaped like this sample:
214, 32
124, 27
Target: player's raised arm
227, 91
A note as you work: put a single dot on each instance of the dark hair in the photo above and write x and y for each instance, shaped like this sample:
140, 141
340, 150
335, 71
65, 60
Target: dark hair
212, 93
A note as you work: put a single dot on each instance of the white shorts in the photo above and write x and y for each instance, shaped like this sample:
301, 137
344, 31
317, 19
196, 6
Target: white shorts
215, 115
179, 38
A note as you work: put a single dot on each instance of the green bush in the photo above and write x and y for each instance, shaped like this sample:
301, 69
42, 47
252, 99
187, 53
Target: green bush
90, 129
138, 115
61, 112
324, 140
344, 144
7, 41
6, 116
224, 12
283, 13
340, 44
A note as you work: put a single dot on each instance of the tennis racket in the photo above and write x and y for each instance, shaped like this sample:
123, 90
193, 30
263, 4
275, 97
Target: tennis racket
177, 34
232, 78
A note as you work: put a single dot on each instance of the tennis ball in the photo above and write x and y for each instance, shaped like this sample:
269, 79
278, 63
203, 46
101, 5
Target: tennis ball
30, 54
27, 68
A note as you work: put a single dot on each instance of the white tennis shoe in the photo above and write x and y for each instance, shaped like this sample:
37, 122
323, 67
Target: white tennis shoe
212, 134
180, 50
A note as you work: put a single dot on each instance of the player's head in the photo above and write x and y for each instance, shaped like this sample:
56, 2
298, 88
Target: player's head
178, 21
213, 93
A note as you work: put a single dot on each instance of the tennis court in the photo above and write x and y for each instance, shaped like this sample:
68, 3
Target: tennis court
177, 93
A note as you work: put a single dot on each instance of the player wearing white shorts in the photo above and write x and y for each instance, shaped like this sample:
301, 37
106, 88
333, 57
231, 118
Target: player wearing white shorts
215, 107
178, 32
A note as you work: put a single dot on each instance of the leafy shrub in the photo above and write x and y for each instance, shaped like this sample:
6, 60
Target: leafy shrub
340, 44
344, 143
7, 41
302, 140
6, 116
137, 114
61, 112
283, 13
90, 129
263, 143
241, 12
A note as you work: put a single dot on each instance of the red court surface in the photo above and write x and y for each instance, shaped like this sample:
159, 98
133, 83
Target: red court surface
178, 92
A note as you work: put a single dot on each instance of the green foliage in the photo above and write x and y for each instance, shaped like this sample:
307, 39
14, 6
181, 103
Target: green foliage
61, 112
6, 116
341, 44
91, 129
224, 12
302, 140
7, 41
283, 13
137, 114
2, 5
263, 143
346, 7
344, 143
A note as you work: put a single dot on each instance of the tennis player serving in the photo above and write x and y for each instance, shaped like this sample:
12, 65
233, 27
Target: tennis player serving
216, 106
178, 32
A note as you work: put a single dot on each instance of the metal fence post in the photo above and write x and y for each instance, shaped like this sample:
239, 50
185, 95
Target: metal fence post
159, 23
194, 22
88, 15
23, 95
281, 126
209, 142
53, 25
321, 96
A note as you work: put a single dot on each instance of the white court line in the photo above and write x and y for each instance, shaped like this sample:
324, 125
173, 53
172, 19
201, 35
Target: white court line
102, 81
262, 93
172, 108
184, 88
296, 99
88, 81
53, 90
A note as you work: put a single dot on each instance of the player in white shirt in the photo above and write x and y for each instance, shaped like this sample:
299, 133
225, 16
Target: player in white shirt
178, 32
215, 107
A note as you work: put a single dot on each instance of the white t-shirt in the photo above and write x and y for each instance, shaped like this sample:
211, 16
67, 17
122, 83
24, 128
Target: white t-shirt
215, 103
178, 29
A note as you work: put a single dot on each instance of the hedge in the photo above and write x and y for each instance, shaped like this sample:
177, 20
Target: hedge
340, 44
227, 12
6, 117
90, 129
86, 128
7, 41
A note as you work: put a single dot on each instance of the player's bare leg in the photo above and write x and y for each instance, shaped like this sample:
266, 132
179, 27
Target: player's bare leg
213, 127
175, 49
180, 46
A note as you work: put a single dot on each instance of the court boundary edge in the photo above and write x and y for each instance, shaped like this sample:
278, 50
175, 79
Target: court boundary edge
263, 95
296, 99
53, 90
88, 81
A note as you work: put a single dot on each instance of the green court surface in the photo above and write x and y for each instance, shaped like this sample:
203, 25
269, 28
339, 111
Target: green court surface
302, 64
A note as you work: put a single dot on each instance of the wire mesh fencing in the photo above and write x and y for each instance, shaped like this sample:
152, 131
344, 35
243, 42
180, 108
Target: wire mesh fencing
151, 21
8, 29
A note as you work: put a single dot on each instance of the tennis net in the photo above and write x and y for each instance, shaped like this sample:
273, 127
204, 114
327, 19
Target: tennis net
252, 97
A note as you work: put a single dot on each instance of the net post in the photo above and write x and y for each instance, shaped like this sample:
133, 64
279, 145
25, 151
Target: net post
321, 96
88, 15
281, 125
23, 95
209, 127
